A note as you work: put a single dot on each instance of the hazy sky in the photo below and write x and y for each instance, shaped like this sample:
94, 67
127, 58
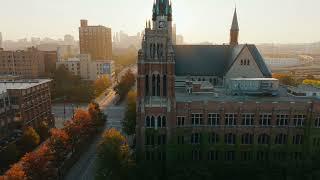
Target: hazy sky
260, 21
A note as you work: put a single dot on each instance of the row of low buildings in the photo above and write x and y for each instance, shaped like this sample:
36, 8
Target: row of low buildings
23, 103
30, 63
86, 68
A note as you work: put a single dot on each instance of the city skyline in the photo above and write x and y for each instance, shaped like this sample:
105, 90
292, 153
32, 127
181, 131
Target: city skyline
255, 19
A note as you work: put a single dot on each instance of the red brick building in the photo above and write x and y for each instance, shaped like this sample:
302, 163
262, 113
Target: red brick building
216, 102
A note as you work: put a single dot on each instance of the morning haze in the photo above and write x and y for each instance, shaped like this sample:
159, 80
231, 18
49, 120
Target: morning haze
261, 21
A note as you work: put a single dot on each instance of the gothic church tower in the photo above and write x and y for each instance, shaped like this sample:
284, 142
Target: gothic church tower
156, 77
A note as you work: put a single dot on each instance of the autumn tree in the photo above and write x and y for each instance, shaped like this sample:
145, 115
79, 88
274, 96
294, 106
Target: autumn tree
129, 122
125, 84
37, 164
95, 113
285, 79
30, 139
80, 127
113, 156
101, 84
59, 144
43, 130
16, 172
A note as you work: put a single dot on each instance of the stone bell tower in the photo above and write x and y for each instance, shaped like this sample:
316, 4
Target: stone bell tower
155, 81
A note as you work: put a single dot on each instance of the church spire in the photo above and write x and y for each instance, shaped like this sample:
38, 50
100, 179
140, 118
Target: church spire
234, 31
235, 25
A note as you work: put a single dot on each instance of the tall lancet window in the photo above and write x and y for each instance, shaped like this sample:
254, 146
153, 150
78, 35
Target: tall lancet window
147, 85
153, 85
165, 85
158, 85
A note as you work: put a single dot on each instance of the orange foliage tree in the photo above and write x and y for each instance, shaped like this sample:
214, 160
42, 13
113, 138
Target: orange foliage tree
79, 127
16, 172
37, 164
59, 144
95, 113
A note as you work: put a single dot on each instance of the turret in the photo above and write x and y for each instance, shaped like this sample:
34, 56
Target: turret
234, 31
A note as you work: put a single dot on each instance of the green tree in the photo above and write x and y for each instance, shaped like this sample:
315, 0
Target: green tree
9, 155
129, 122
71, 86
29, 140
113, 157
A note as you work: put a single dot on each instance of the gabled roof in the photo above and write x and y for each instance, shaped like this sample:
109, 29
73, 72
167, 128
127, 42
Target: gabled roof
212, 60
200, 59
259, 60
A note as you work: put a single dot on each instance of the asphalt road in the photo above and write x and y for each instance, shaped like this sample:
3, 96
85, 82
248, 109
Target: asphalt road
84, 169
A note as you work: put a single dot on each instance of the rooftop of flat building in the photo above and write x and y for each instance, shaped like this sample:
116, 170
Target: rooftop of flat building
221, 95
21, 84
305, 88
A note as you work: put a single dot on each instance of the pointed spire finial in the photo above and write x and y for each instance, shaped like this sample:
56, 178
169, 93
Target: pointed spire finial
235, 25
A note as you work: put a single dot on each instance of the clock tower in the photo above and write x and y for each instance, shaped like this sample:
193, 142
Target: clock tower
155, 82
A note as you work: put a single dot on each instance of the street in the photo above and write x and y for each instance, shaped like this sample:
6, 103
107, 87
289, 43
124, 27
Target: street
84, 169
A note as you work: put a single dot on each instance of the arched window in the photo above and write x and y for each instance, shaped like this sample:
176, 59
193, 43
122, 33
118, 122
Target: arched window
248, 62
159, 123
158, 50
147, 85
153, 85
263, 139
148, 122
241, 62
158, 85
247, 139
213, 138
165, 85
152, 121
161, 50
164, 122
281, 139
154, 51
151, 48
230, 138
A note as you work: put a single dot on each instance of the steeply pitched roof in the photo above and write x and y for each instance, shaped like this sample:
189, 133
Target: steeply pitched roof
200, 59
212, 60
259, 60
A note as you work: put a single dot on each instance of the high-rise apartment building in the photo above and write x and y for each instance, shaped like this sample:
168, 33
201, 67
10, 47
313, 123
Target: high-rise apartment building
96, 41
